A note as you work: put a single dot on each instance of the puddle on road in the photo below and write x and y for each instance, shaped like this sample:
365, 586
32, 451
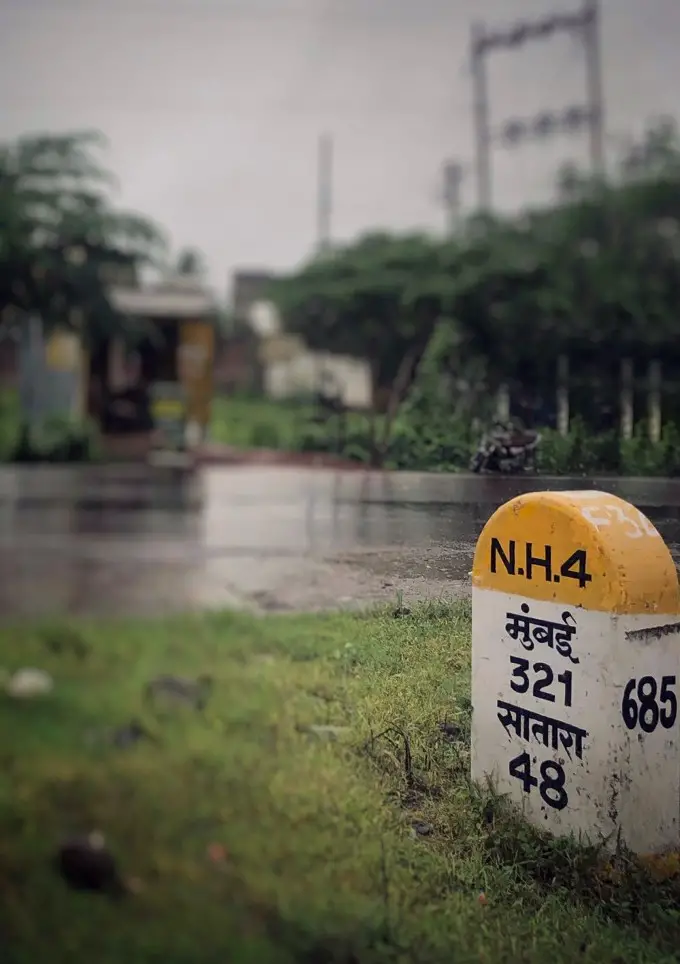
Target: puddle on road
303, 541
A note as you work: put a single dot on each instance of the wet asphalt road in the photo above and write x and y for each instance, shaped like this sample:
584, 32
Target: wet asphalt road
129, 541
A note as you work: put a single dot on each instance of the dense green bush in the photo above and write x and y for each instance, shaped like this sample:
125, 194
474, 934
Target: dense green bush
639, 456
243, 422
446, 445
593, 277
414, 444
431, 445
432, 437
581, 453
55, 440
346, 435
9, 423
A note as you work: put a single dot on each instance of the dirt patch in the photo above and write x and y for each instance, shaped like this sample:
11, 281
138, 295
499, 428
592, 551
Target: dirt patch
363, 579
402, 563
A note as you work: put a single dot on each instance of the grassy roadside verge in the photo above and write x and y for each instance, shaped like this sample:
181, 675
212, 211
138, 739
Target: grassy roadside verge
337, 850
9, 422
258, 422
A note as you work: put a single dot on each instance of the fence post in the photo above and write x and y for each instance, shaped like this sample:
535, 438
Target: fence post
626, 398
654, 401
563, 395
503, 403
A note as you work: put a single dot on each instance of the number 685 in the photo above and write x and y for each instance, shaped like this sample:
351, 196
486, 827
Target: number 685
654, 704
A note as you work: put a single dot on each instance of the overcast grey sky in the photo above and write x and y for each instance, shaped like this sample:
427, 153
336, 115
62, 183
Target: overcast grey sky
214, 107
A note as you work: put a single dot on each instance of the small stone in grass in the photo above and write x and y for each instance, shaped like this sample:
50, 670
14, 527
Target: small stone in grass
28, 682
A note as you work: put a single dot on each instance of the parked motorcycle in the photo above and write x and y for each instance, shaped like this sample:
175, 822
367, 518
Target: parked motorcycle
506, 449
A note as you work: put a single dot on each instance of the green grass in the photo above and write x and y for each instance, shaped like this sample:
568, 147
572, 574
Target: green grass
258, 422
9, 422
322, 864
288, 426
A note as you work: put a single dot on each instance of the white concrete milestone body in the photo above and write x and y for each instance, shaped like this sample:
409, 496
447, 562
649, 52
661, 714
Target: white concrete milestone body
576, 668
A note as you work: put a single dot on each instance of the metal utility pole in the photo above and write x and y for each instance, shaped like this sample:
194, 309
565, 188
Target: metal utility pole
584, 24
324, 203
453, 179
592, 38
482, 122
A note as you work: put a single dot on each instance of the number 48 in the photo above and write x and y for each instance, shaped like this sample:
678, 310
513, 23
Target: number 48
551, 783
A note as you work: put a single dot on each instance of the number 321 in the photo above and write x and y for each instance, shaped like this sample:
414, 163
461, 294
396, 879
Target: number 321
545, 678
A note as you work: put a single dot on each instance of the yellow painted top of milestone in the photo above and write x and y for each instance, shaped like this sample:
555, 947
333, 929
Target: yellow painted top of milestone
587, 549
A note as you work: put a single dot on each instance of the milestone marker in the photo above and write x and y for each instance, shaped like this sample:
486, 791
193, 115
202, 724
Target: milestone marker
576, 668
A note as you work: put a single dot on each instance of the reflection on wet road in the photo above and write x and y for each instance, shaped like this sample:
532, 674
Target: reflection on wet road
128, 541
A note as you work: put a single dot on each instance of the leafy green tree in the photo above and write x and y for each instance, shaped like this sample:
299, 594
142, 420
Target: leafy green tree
377, 299
595, 276
61, 240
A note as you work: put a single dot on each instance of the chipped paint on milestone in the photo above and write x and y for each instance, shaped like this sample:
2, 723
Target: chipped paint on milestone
629, 568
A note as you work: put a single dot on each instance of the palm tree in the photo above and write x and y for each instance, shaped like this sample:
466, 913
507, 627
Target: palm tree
61, 240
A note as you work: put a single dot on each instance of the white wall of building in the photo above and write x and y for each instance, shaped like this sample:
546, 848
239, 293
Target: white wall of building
304, 374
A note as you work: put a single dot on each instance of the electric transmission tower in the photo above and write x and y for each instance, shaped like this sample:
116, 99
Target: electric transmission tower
583, 24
